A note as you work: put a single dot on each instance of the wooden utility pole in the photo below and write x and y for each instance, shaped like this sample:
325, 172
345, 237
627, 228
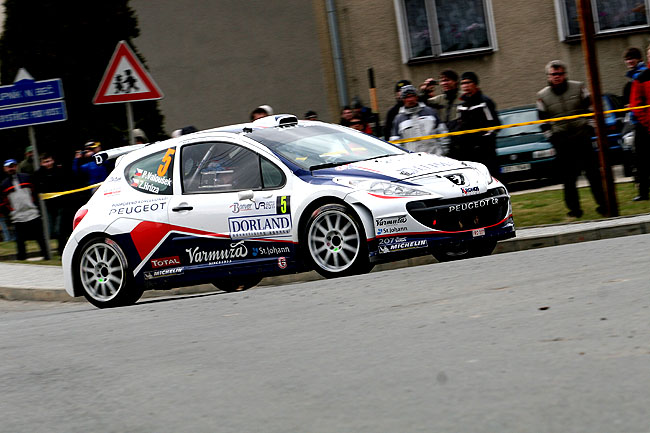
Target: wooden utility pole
587, 29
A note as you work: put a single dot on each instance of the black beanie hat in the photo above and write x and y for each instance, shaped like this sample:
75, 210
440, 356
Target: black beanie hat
471, 76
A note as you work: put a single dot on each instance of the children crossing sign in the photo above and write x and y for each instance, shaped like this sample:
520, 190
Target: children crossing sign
126, 79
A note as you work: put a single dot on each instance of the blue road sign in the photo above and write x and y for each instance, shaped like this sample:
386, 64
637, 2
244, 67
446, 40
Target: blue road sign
27, 115
28, 91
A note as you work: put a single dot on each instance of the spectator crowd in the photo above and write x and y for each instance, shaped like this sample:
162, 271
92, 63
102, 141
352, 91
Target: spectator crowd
419, 111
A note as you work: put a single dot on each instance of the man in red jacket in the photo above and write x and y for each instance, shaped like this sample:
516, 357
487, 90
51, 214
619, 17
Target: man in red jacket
640, 95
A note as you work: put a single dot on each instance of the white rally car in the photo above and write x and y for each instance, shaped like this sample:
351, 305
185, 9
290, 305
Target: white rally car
232, 205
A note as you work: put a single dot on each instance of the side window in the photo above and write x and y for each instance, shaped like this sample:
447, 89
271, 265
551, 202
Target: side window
219, 167
272, 176
153, 173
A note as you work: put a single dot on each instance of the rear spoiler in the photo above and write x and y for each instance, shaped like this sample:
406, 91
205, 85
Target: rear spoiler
102, 157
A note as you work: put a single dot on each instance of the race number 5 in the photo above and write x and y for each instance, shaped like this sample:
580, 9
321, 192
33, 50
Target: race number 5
283, 204
167, 159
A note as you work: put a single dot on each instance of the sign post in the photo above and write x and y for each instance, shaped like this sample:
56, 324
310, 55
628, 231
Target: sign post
126, 80
27, 102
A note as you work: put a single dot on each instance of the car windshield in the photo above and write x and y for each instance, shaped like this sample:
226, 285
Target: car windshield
319, 146
519, 117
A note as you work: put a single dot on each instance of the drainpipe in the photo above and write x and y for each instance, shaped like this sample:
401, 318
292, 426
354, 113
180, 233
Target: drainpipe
339, 71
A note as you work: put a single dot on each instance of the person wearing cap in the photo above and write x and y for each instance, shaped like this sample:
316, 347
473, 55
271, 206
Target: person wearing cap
85, 167
476, 111
20, 199
415, 119
390, 116
139, 136
571, 138
447, 103
27, 164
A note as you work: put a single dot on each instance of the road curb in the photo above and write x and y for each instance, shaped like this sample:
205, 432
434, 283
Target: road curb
527, 238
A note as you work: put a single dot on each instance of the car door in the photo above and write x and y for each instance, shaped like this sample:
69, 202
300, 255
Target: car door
233, 208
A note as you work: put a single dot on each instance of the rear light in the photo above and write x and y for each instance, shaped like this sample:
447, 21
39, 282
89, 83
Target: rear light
81, 213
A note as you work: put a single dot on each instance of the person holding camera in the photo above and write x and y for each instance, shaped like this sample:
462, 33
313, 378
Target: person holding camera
84, 164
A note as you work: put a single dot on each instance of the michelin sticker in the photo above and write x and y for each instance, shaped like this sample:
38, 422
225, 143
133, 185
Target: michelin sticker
167, 272
401, 246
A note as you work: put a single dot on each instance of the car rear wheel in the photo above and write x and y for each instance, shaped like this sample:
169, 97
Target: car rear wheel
237, 284
104, 275
464, 250
336, 242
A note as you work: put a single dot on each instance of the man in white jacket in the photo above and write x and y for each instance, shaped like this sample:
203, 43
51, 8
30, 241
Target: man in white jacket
415, 119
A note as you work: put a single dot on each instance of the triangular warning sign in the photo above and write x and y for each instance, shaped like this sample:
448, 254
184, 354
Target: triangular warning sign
126, 79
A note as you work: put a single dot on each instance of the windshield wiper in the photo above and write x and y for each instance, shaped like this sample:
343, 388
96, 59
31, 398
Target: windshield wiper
329, 165
382, 156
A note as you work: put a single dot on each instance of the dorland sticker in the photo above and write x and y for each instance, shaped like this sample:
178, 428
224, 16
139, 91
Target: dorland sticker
265, 225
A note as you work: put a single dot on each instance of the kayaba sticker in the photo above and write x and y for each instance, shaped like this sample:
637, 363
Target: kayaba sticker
263, 225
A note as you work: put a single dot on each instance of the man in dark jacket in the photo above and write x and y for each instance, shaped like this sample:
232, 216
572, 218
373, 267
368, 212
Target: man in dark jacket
571, 138
390, 116
476, 111
20, 199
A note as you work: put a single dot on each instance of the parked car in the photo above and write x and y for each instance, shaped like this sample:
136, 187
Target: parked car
231, 205
523, 151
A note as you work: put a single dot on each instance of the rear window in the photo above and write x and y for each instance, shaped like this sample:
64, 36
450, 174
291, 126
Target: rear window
153, 173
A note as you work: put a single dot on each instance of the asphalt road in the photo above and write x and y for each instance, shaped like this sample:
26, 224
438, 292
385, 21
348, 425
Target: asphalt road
547, 340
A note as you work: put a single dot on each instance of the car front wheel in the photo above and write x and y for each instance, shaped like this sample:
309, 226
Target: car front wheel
104, 275
464, 250
336, 242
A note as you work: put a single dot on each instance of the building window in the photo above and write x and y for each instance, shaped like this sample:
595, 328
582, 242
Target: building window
437, 28
610, 16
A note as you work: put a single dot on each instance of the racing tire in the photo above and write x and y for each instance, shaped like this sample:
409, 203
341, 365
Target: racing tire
104, 275
464, 250
336, 243
237, 284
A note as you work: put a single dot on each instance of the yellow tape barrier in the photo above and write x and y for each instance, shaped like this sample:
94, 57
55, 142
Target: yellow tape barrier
492, 128
49, 195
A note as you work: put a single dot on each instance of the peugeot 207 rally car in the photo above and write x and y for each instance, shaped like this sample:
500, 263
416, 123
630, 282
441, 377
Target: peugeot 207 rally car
231, 205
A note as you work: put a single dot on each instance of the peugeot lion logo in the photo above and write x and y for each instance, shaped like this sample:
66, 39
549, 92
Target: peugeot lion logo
458, 179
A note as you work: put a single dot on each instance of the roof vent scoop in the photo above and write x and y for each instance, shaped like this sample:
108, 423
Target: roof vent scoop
277, 120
